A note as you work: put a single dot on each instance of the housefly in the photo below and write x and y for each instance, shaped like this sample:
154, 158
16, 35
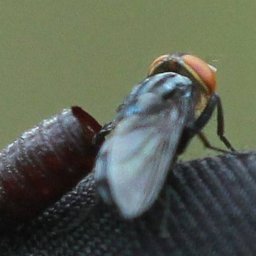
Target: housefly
152, 127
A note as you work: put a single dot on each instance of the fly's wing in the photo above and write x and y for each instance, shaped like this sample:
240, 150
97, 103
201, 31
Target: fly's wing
133, 162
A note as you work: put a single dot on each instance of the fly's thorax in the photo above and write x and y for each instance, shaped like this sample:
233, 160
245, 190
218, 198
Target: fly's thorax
153, 94
161, 84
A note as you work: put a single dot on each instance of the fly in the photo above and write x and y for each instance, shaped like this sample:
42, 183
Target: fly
152, 127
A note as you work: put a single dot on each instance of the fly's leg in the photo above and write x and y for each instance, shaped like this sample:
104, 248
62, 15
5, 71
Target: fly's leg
207, 144
199, 124
220, 124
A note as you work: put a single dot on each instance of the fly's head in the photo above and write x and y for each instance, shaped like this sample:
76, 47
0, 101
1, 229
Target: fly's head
202, 75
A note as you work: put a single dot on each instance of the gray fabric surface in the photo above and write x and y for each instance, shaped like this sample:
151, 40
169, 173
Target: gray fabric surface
208, 207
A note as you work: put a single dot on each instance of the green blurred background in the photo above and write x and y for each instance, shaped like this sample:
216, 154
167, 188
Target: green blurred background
55, 54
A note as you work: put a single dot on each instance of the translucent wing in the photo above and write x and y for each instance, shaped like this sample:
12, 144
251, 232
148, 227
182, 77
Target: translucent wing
133, 162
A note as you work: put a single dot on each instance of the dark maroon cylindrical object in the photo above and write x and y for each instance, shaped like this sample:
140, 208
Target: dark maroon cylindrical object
45, 162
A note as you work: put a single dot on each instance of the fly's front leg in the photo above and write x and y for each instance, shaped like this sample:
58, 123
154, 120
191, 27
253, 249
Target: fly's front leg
220, 124
198, 125
207, 144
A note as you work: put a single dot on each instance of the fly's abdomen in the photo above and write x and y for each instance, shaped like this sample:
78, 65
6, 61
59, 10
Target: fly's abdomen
45, 162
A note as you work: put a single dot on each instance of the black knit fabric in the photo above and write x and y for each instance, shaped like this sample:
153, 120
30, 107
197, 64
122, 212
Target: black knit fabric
208, 207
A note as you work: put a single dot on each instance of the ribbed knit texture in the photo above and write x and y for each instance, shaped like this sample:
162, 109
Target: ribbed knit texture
208, 207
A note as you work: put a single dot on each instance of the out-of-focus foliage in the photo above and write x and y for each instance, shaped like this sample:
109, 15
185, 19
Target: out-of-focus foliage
90, 53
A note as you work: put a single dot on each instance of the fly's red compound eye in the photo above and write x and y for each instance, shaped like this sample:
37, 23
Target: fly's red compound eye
204, 71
